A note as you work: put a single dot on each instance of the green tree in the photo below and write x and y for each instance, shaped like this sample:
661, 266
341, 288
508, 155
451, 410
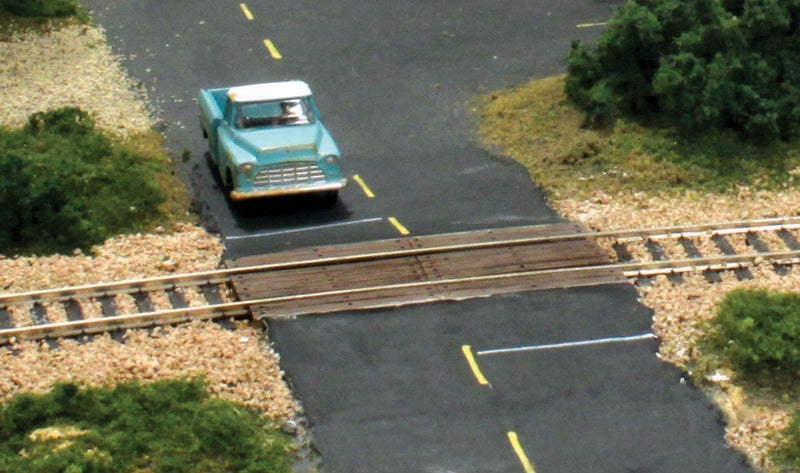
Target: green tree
699, 63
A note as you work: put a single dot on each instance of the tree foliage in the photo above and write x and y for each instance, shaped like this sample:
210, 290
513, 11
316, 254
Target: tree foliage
65, 185
701, 63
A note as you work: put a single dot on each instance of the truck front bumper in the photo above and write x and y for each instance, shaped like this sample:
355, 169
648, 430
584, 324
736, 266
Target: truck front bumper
278, 191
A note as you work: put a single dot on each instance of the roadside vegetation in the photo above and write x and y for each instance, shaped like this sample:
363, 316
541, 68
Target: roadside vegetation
539, 126
18, 15
166, 426
41, 8
756, 335
74, 187
704, 65
680, 99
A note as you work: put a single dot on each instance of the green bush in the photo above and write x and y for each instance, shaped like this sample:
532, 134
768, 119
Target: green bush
66, 185
703, 64
787, 453
41, 8
759, 331
167, 426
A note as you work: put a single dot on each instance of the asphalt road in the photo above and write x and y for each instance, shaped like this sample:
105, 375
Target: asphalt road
396, 83
572, 373
400, 390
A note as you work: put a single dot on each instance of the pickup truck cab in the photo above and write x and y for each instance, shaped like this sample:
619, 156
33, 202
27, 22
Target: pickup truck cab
268, 140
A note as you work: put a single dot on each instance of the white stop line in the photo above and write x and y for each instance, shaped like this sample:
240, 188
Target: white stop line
304, 229
582, 343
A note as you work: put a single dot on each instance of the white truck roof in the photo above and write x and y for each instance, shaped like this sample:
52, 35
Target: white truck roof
269, 91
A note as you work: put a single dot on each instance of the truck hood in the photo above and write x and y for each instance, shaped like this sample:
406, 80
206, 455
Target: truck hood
288, 139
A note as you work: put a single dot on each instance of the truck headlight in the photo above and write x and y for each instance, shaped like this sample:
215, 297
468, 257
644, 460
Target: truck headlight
331, 159
246, 168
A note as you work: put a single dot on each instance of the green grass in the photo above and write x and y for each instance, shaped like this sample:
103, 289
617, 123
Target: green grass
167, 426
11, 25
537, 126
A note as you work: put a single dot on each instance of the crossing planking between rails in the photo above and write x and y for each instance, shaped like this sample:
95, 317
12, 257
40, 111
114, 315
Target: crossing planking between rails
459, 266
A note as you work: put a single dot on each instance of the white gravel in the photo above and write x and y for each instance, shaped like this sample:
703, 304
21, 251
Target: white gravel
72, 66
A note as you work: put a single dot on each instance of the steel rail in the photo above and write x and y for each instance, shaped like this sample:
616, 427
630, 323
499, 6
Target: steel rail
677, 232
118, 287
240, 308
222, 276
713, 263
97, 325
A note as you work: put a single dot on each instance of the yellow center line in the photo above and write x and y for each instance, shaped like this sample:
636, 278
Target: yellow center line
246, 11
590, 25
273, 51
467, 350
363, 185
526, 464
397, 225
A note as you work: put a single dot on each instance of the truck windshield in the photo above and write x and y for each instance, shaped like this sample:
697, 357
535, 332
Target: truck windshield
274, 113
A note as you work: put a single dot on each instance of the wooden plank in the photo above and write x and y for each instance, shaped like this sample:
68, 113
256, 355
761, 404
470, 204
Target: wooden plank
435, 292
400, 280
318, 253
421, 241
431, 267
499, 234
322, 278
515, 259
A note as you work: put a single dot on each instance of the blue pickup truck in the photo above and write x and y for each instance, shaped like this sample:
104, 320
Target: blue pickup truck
268, 140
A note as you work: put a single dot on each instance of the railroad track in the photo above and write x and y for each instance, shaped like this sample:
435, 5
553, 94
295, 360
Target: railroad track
401, 271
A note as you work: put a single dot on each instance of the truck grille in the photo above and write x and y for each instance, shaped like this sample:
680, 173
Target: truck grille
289, 174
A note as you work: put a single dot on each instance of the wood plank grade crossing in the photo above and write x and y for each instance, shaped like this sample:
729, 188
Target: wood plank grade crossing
457, 267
